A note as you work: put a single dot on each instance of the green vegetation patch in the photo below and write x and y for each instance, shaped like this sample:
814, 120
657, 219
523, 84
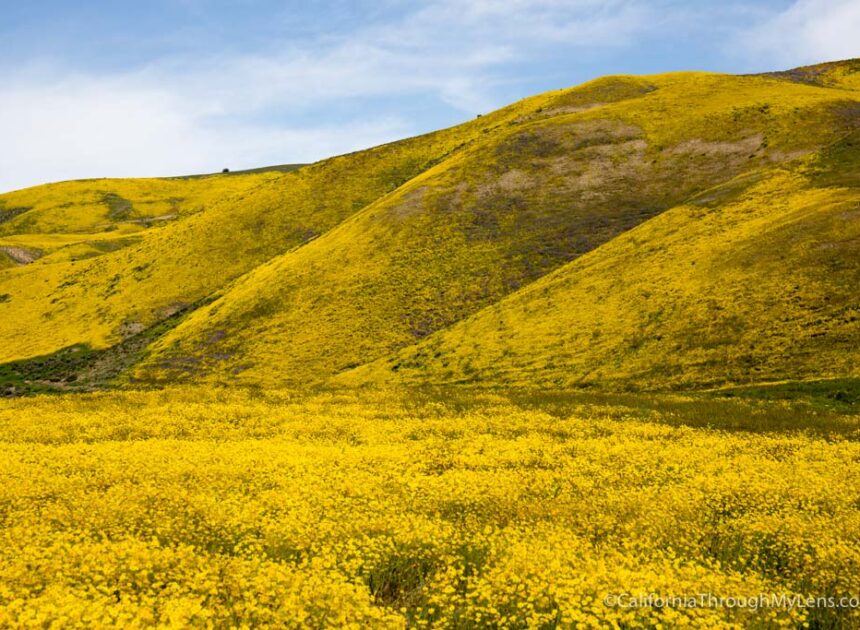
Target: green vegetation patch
91, 249
820, 407
47, 373
119, 208
839, 164
7, 214
840, 393
79, 367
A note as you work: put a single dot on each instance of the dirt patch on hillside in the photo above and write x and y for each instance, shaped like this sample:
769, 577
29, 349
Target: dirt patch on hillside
129, 329
172, 309
561, 110
745, 146
570, 109
552, 140
709, 163
410, 203
599, 171
514, 180
576, 157
22, 256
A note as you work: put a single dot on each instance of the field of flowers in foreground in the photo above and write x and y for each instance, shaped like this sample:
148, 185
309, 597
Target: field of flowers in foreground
216, 508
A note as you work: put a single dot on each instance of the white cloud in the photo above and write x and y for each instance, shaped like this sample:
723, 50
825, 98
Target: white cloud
124, 127
809, 31
180, 115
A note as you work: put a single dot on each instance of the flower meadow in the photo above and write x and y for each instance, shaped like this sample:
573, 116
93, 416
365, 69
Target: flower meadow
194, 507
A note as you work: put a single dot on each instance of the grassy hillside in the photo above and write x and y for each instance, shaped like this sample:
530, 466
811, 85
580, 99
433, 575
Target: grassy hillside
570, 174
755, 280
94, 206
82, 219
294, 276
225, 226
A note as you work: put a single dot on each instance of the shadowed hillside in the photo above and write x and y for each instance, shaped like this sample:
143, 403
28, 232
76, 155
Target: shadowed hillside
753, 281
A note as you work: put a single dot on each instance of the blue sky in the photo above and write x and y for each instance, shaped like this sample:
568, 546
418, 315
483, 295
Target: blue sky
93, 89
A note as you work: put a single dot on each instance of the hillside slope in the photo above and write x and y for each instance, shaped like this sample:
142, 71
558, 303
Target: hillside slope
581, 168
216, 228
753, 281
291, 277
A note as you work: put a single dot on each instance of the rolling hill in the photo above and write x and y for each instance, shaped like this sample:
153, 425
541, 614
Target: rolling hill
667, 231
752, 282
209, 231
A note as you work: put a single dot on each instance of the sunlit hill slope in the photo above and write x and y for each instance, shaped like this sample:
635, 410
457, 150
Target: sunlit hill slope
680, 230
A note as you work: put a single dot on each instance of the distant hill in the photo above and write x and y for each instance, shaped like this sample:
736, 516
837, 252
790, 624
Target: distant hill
673, 231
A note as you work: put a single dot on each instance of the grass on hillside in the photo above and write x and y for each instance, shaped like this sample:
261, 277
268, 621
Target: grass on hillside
838, 393
757, 288
822, 408
225, 226
415, 236
204, 507
572, 172
82, 368
95, 206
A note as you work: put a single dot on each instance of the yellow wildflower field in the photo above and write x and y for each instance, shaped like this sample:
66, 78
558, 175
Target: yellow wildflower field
196, 507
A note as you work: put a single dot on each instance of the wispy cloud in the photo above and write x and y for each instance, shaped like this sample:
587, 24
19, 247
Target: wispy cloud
181, 114
341, 86
808, 31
